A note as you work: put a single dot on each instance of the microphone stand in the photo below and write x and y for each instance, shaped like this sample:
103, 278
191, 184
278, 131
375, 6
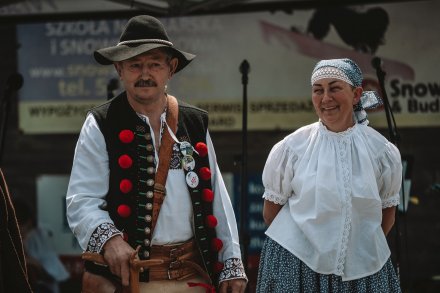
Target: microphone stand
395, 139
392, 128
244, 69
112, 85
14, 83
4, 115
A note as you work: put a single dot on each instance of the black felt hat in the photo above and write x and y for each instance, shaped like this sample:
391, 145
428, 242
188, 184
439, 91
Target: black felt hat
142, 33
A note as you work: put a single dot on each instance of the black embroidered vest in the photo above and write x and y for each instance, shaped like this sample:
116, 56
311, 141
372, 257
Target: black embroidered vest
132, 170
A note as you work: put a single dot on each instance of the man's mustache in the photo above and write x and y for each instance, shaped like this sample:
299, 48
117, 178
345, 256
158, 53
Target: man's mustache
145, 83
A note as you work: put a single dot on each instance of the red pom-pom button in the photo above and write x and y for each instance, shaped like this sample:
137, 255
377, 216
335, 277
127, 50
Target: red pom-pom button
124, 211
126, 136
205, 173
216, 244
125, 186
202, 149
125, 161
211, 221
207, 195
218, 267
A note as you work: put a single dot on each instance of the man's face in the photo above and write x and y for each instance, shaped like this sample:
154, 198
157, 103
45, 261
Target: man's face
145, 76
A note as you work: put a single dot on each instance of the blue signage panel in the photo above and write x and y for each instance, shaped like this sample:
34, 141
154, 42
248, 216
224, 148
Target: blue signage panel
255, 225
56, 59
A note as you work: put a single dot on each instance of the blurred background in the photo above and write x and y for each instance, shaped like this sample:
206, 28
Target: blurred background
48, 80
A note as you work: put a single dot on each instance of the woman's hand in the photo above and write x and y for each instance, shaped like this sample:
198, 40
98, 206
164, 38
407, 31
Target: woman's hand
388, 218
270, 211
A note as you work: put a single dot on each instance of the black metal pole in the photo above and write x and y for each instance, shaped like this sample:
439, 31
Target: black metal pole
4, 113
395, 139
14, 83
244, 69
377, 64
112, 85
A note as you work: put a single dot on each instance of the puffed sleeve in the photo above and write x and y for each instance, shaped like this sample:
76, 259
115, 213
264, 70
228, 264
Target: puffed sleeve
88, 186
390, 181
278, 173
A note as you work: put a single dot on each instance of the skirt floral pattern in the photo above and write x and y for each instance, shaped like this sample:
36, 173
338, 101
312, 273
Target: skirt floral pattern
280, 271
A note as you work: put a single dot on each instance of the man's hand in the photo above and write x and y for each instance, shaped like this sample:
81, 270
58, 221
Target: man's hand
233, 286
117, 254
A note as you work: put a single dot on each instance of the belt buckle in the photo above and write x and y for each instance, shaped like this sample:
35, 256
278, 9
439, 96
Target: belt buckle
173, 266
175, 253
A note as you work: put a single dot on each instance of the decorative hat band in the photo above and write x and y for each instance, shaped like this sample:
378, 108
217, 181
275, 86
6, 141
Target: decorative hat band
157, 41
330, 72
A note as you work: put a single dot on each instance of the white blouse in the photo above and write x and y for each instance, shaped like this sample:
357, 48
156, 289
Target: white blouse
89, 185
336, 185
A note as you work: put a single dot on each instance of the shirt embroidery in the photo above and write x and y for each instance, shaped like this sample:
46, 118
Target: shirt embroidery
101, 235
233, 269
274, 197
343, 145
391, 202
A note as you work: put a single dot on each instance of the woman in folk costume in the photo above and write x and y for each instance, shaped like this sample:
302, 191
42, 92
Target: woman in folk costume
331, 190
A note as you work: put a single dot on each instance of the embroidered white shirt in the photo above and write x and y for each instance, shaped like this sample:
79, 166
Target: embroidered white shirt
334, 187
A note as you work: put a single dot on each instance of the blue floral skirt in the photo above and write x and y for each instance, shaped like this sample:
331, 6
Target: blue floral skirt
281, 271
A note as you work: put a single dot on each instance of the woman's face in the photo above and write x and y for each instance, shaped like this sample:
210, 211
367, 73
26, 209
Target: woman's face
333, 100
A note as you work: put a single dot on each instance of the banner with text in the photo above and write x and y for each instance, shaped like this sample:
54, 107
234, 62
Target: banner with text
62, 80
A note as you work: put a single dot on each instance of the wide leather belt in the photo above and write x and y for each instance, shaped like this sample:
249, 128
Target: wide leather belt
167, 262
180, 262
174, 250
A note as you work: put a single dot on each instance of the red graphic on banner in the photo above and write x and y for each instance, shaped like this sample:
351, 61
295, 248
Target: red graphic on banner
311, 47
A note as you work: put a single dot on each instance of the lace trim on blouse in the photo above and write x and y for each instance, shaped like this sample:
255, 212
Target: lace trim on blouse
391, 201
233, 269
274, 197
346, 132
343, 145
343, 142
101, 235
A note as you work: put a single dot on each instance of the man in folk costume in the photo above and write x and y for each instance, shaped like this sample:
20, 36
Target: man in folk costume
145, 180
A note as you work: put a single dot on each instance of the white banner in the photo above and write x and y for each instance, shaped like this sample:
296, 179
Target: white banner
281, 52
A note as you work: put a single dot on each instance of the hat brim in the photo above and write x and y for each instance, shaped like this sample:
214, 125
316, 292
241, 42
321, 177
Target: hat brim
108, 56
